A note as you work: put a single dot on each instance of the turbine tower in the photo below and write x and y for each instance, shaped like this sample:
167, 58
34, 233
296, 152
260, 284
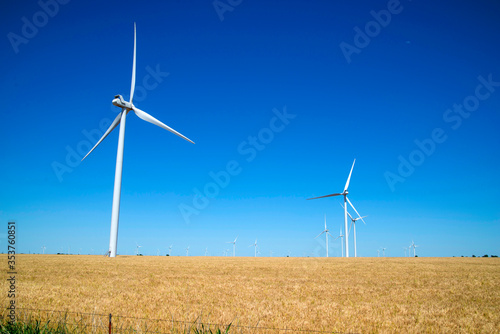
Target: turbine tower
137, 248
169, 249
383, 251
346, 200
325, 231
353, 223
187, 251
234, 245
120, 119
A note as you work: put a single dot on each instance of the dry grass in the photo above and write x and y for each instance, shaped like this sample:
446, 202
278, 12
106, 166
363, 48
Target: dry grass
368, 295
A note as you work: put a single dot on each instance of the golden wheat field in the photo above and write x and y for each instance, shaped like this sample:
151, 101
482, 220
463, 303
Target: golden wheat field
361, 295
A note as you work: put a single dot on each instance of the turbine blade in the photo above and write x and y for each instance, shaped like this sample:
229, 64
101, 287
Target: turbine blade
319, 234
108, 131
362, 219
352, 206
132, 86
349, 178
148, 118
331, 195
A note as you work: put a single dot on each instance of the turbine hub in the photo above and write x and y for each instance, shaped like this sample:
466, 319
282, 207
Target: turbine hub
120, 102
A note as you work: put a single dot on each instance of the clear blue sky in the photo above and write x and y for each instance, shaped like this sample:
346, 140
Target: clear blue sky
358, 79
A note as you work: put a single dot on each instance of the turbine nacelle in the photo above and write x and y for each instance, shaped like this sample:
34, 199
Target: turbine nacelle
120, 102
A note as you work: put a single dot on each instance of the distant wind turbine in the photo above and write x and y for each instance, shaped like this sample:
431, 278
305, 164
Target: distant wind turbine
353, 222
341, 236
206, 251
346, 200
325, 231
414, 246
43, 249
234, 245
137, 248
169, 249
187, 251
405, 250
120, 119
254, 245
378, 252
383, 251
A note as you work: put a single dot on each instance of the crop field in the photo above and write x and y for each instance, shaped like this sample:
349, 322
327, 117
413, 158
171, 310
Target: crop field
360, 295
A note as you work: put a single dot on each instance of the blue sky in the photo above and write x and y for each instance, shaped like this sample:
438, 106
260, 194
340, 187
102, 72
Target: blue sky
284, 94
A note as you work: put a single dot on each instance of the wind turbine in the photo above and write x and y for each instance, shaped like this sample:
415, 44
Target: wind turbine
414, 246
378, 252
353, 220
120, 119
405, 250
325, 231
344, 193
187, 251
254, 245
43, 249
341, 236
383, 251
206, 251
169, 249
234, 245
137, 248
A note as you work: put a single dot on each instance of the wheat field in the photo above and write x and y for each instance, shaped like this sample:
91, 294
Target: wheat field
360, 295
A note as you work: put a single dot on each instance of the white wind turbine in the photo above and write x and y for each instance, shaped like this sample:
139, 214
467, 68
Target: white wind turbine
378, 252
414, 246
325, 231
187, 251
344, 193
353, 223
137, 248
405, 250
206, 251
383, 251
234, 245
43, 249
341, 236
169, 249
254, 245
120, 119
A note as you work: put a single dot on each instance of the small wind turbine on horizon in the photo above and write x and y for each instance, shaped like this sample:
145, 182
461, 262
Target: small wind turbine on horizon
234, 245
43, 249
206, 251
341, 236
187, 251
383, 251
326, 232
120, 119
346, 200
254, 245
137, 248
414, 246
353, 223
169, 249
